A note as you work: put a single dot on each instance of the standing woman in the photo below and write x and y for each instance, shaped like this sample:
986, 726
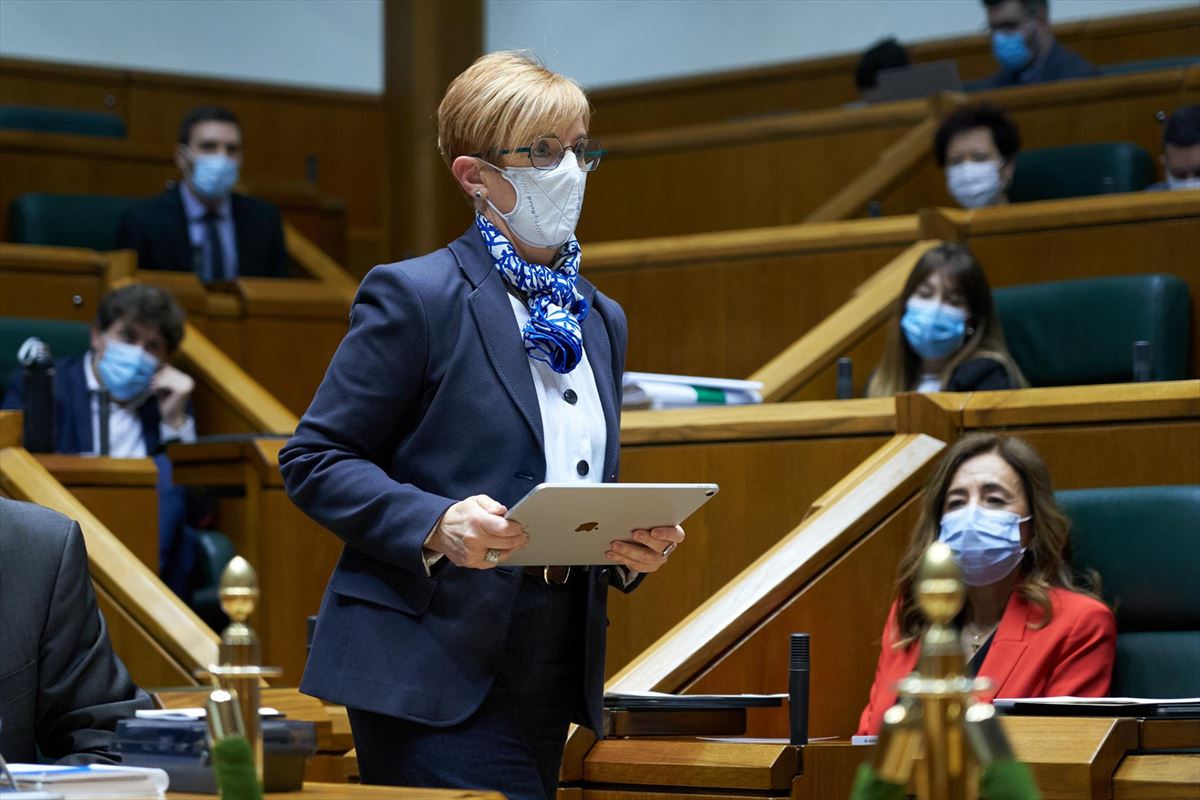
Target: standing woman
949, 338
469, 376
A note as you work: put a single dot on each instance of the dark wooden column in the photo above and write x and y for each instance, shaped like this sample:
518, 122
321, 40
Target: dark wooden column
426, 44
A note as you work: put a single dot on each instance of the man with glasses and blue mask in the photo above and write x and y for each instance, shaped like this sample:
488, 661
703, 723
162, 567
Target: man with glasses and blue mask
1025, 47
201, 225
122, 398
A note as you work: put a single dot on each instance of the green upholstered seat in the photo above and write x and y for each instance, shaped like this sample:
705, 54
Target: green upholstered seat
61, 120
64, 339
1081, 170
1144, 542
1072, 333
67, 220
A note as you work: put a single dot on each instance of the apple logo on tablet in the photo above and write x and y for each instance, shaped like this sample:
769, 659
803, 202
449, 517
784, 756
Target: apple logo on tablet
587, 527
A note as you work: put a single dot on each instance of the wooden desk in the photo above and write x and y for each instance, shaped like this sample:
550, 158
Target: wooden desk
121, 492
352, 791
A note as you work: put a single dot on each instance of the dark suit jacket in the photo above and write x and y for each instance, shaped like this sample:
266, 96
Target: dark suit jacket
157, 229
62, 689
1072, 655
1060, 64
981, 374
73, 410
429, 400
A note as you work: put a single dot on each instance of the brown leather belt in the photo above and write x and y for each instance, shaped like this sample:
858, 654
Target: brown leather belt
554, 576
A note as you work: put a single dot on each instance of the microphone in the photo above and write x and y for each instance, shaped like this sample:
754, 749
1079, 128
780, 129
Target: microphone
798, 687
38, 396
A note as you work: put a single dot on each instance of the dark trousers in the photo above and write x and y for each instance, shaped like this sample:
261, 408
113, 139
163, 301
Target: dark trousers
513, 743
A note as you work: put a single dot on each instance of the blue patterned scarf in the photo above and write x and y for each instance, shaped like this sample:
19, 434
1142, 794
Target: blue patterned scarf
556, 311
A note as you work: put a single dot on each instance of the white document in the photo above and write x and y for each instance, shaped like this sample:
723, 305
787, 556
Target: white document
1103, 701
92, 781
658, 391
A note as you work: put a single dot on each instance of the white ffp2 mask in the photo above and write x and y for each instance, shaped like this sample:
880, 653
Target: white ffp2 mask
549, 201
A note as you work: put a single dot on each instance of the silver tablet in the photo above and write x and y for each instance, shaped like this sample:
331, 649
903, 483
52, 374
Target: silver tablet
573, 524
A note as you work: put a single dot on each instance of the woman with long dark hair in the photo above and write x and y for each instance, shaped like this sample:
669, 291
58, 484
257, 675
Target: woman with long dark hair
949, 338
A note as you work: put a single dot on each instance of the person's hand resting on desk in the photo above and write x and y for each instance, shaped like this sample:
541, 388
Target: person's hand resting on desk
173, 388
648, 551
474, 533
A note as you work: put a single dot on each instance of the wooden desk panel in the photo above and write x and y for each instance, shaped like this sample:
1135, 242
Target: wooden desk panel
121, 492
1158, 777
766, 489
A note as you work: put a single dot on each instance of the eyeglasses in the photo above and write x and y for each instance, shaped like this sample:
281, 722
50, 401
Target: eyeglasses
547, 153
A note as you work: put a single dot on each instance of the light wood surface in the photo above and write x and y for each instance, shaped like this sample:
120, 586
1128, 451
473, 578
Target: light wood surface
874, 303
1071, 757
828, 81
768, 421
121, 492
159, 616
700, 763
1158, 777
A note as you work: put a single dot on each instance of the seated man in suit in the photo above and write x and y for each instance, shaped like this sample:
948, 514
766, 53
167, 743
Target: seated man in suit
137, 329
1024, 45
62, 689
201, 224
1181, 151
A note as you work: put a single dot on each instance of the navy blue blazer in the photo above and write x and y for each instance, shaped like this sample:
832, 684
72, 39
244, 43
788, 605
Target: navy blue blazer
73, 411
1060, 64
429, 400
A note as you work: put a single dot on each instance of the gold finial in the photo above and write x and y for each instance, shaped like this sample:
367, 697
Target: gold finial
939, 587
238, 589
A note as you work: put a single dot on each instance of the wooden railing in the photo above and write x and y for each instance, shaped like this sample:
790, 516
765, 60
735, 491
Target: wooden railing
724, 303
824, 165
828, 82
1018, 244
158, 637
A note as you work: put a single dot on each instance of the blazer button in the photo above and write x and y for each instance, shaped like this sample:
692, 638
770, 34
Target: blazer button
582, 468
570, 396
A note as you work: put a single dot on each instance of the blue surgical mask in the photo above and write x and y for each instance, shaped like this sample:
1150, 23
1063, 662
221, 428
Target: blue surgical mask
214, 176
126, 370
1011, 50
933, 330
986, 542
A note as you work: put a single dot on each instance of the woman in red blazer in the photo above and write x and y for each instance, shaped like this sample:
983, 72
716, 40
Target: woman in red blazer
1026, 626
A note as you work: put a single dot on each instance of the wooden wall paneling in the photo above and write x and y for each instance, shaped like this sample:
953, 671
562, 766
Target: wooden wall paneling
741, 175
121, 492
12, 428
829, 81
828, 769
845, 644
841, 330
128, 583
55, 282
148, 662
766, 488
1157, 777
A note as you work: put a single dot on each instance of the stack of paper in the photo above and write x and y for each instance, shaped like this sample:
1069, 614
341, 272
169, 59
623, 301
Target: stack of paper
655, 391
92, 782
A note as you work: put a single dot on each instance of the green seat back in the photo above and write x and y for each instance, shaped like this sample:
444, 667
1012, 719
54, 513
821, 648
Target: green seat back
61, 120
64, 339
1081, 170
1149, 65
1074, 333
68, 220
1144, 542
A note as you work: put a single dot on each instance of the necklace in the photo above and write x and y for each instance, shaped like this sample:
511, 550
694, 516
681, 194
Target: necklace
975, 635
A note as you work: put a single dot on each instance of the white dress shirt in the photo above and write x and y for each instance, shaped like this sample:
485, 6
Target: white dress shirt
125, 438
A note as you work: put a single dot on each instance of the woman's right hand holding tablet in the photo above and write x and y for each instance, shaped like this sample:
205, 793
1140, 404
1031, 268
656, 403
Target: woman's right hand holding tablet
473, 533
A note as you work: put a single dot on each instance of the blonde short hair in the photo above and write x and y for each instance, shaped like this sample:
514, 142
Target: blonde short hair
505, 100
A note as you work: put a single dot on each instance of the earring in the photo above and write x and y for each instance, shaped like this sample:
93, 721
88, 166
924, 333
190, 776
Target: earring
478, 195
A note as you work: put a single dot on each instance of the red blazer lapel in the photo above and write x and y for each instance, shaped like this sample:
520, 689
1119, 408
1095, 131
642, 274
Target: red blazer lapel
1008, 646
